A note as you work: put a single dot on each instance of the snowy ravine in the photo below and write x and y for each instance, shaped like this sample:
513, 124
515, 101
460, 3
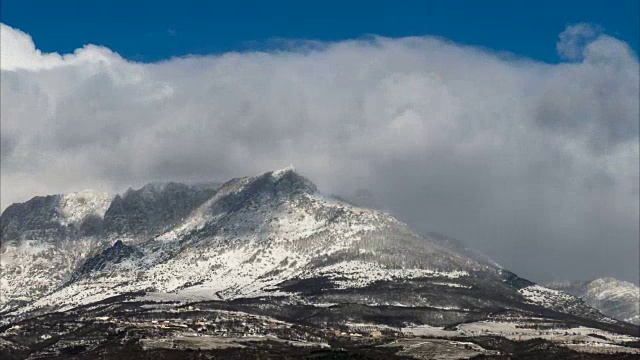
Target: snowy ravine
272, 237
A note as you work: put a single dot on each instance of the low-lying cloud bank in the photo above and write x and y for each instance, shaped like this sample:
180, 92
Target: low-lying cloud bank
535, 164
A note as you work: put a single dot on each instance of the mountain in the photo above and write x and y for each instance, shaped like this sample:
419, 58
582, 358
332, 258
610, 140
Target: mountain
54, 217
269, 245
46, 238
617, 299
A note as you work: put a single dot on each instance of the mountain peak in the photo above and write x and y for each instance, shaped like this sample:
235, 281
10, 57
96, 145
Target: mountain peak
282, 181
276, 174
289, 178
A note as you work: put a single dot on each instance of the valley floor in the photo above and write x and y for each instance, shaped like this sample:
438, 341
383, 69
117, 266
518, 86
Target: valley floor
128, 328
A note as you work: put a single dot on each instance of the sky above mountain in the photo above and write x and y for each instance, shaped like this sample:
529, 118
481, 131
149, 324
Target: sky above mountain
513, 129
145, 30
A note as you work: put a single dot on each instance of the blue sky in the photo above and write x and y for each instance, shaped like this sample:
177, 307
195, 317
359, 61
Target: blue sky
153, 30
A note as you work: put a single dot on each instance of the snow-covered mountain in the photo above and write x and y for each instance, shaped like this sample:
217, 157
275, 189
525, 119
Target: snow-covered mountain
48, 237
615, 298
272, 242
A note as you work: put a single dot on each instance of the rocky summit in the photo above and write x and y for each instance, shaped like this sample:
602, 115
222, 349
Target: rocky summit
171, 267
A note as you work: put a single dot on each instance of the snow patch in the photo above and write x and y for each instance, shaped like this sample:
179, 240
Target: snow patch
77, 206
276, 175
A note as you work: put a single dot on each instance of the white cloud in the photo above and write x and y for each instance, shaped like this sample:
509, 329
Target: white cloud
19, 51
574, 39
516, 155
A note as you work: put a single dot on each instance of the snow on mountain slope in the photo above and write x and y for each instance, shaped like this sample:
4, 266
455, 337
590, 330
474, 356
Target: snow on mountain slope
41, 243
614, 298
75, 207
46, 238
253, 234
271, 236
54, 217
619, 299
256, 233
557, 300
32, 268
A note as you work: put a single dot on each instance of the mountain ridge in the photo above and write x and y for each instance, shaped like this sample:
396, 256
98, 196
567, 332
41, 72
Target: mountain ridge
272, 238
615, 298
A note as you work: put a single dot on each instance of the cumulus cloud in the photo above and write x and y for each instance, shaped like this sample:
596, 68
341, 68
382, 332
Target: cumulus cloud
535, 164
575, 38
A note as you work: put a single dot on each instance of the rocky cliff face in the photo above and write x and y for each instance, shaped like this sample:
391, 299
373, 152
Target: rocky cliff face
47, 238
54, 217
152, 209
